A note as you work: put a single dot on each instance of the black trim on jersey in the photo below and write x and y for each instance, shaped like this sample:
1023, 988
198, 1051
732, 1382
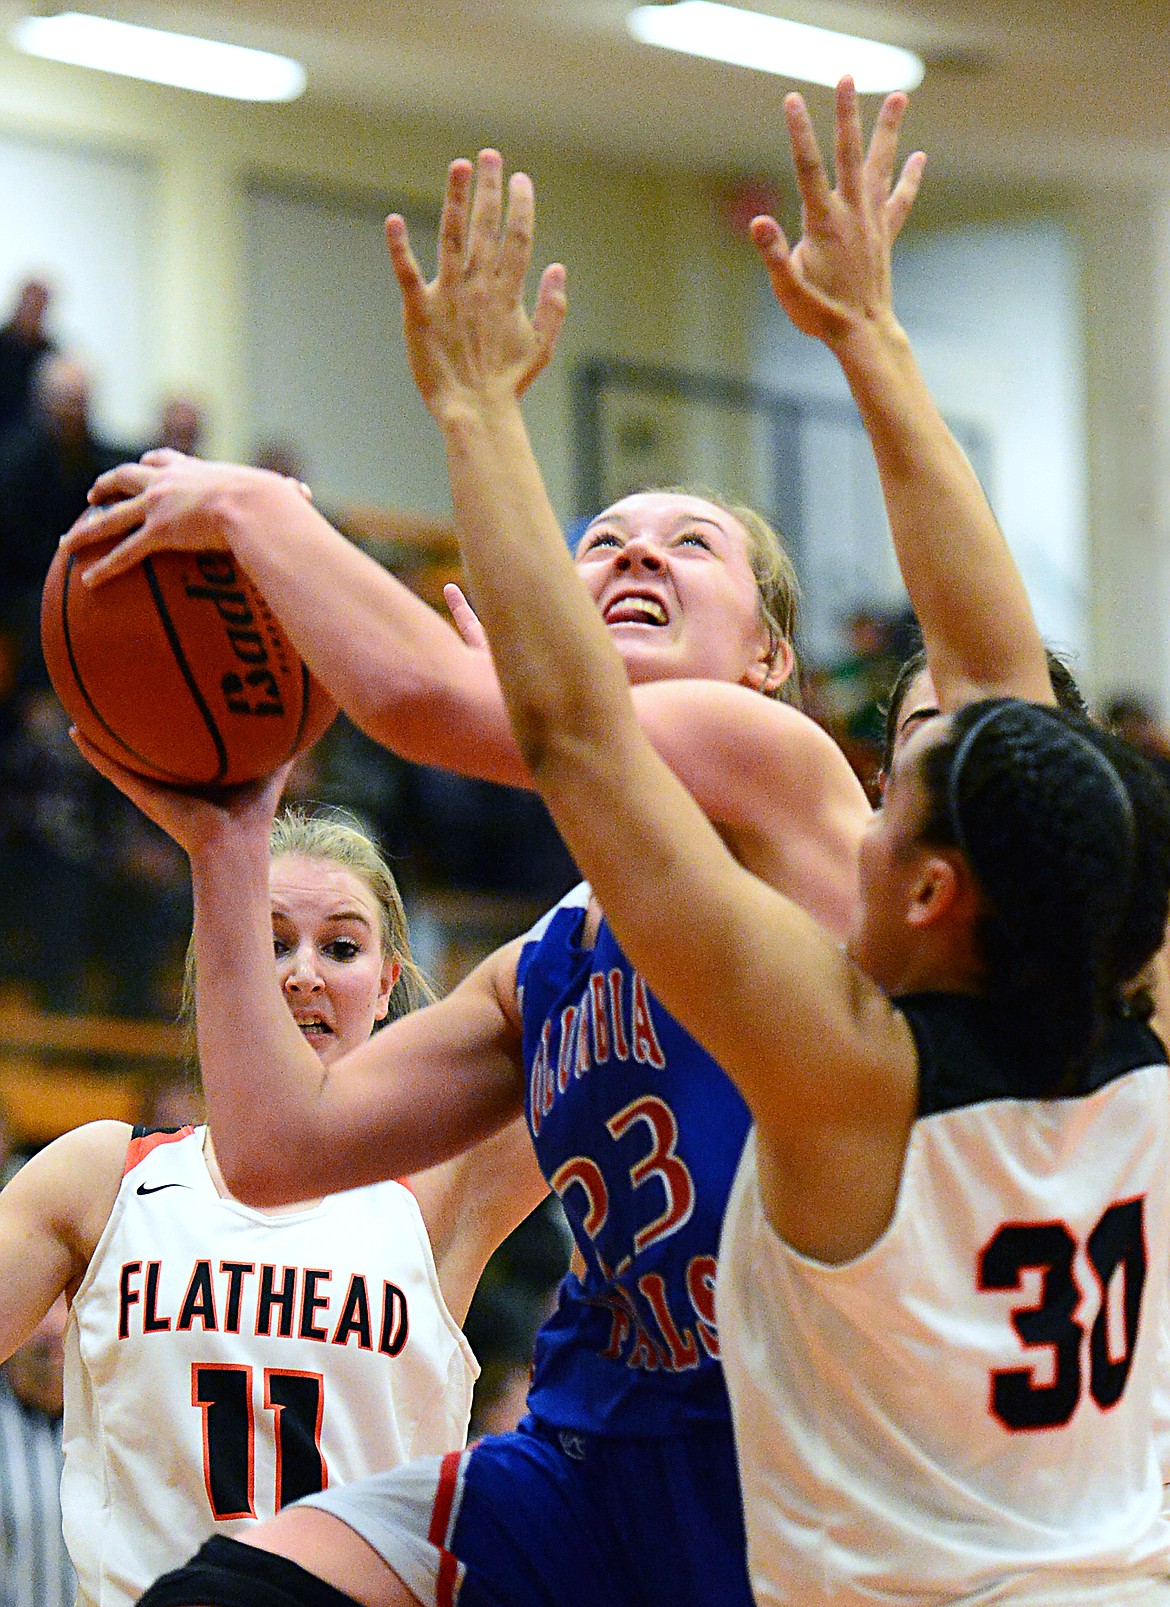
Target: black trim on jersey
147, 1132
961, 1062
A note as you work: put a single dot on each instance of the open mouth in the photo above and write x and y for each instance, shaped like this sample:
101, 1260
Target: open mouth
313, 1027
635, 608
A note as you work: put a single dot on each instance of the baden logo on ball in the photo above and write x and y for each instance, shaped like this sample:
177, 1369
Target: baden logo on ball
179, 669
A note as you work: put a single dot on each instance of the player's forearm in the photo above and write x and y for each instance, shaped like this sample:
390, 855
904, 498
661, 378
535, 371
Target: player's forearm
261, 1080
964, 584
397, 669
564, 685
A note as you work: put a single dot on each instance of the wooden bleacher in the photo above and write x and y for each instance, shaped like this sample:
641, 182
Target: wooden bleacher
421, 550
59, 1071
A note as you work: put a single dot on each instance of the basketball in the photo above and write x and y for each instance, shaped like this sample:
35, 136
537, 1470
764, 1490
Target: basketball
178, 669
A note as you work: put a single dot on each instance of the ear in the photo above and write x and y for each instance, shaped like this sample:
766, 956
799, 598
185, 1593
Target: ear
943, 891
391, 971
772, 667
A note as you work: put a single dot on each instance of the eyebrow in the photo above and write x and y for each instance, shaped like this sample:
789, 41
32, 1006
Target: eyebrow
337, 916
683, 519
918, 715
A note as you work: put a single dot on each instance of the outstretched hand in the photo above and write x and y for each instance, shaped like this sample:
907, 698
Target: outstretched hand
164, 502
468, 335
838, 273
196, 821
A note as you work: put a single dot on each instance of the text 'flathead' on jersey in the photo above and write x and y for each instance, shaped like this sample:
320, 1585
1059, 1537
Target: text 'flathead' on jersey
243, 1298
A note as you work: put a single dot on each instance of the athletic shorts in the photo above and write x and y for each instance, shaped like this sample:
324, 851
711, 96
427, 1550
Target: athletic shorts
547, 1518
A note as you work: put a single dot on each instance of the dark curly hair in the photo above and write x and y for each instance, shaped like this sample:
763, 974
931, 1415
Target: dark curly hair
1067, 832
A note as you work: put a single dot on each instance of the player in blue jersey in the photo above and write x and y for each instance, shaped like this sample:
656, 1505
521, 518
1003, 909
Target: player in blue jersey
944, 1267
621, 1485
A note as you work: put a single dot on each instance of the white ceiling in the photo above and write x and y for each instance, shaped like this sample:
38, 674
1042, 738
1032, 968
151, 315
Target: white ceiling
1039, 93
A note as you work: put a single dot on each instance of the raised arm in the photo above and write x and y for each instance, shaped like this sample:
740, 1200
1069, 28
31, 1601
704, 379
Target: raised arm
408, 679
652, 856
285, 1128
398, 669
977, 623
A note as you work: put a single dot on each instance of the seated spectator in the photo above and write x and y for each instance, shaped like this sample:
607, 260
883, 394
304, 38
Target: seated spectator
180, 426
49, 852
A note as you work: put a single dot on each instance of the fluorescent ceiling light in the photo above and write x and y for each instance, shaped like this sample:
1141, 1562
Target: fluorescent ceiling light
772, 45
164, 58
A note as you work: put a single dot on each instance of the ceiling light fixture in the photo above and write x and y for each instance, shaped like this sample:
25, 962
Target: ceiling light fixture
773, 45
180, 60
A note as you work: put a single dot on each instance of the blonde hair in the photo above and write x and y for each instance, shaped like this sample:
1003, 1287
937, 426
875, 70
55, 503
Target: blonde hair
337, 837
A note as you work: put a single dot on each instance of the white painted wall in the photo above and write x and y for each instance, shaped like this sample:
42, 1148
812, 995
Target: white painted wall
84, 218
993, 314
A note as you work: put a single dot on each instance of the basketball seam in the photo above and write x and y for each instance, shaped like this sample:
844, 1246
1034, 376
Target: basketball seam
84, 690
185, 670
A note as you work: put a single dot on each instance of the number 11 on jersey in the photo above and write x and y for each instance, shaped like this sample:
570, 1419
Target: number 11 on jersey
296, 1401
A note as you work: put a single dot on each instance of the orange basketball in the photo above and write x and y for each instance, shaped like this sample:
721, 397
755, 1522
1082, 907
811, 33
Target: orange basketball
178, 668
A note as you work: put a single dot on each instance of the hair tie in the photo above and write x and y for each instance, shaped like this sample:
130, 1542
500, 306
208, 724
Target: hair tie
962, 754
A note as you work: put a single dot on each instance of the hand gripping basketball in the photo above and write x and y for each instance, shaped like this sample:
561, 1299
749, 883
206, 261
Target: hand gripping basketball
178, 669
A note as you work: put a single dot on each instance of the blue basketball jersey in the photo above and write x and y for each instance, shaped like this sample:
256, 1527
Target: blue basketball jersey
639, 1132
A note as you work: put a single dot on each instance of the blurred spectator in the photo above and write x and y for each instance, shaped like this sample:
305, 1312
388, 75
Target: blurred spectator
479, 837
140, 916
1135, 718
180, 426
34, 1567
47, 465
848, 697
97, 907
23, 342
281, 457
48, 853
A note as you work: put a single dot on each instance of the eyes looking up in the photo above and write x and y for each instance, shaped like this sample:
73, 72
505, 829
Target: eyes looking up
595, 539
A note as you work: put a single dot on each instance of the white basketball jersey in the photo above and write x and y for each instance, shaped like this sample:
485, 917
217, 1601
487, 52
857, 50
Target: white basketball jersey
220, 1362
964, 1411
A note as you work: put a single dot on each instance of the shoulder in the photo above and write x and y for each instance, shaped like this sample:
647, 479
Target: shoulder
728, 742
84, 1154
778, 788
73, 1182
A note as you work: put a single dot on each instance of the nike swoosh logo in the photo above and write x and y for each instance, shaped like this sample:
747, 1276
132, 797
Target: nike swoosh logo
147, 1188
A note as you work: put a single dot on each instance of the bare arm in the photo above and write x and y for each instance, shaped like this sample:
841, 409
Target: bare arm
980, 634
651, 854
286, 1128
472, 1203
405, 676
52, 1214
393, 664
420, 1091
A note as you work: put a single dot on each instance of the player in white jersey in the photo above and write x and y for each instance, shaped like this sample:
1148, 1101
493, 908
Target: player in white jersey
222, 1361
949, 1248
